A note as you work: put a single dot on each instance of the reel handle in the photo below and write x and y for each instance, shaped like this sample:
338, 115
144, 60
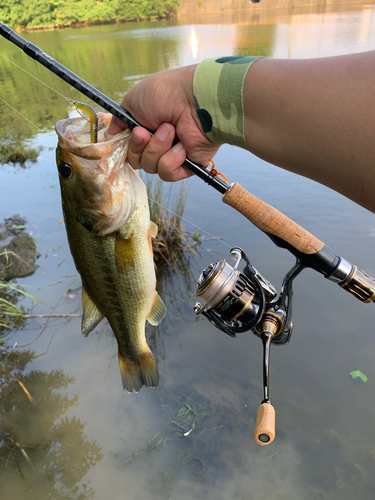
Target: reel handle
264, 432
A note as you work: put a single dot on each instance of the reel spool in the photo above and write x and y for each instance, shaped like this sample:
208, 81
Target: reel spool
235, 301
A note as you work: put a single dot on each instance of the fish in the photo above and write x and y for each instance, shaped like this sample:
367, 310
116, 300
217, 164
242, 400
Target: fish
107, 220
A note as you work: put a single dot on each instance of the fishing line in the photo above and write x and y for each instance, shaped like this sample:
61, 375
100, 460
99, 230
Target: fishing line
82, 116
189, 222
14, 109
69, 99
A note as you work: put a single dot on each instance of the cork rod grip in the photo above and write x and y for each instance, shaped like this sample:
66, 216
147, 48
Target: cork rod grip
270, 220
265, 425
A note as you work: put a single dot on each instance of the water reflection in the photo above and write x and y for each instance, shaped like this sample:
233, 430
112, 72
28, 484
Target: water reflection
255, 40
193, 42
42, 452
102, 60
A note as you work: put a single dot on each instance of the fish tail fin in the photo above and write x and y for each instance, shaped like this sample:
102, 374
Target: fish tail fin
139, 371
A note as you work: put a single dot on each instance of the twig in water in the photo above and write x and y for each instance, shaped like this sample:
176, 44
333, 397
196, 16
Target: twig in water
50, 315
29, 396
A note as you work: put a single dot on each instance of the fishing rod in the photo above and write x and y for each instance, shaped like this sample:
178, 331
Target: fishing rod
238, 301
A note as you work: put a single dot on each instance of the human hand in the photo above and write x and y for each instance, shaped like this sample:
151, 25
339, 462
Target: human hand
164, 102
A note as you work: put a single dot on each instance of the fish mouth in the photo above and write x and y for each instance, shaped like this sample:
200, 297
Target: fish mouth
100, 190
74, 136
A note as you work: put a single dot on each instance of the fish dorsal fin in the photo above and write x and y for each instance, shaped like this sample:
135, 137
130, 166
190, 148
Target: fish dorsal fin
91, 315
158, 311
153, 229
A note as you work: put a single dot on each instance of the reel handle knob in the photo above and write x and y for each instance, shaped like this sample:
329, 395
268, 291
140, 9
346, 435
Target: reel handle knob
264, 432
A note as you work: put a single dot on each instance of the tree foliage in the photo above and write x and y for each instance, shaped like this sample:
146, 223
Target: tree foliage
57, 13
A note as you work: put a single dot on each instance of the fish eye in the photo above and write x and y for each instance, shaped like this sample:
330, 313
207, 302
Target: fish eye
65, 170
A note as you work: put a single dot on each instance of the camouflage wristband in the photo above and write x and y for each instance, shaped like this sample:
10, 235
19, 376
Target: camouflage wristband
218, 93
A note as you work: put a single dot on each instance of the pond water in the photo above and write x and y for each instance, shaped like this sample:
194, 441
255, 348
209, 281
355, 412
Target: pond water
84, 437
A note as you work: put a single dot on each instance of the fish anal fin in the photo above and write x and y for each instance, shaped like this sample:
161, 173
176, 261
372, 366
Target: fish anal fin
139, 371
124, 253
158, 311
91, 315
153, 229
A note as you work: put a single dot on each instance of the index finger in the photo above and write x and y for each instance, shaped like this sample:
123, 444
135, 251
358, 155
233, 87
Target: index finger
116, 126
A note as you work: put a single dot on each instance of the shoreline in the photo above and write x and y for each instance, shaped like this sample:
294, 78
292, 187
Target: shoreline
241, 10
99, 22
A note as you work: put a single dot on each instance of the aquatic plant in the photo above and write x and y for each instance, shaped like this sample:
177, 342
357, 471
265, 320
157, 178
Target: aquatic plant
13, 149
177, 439
11, 315
167, 206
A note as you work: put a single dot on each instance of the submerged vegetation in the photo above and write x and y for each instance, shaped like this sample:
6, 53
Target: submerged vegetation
187, 450
196, 437
14, 149
167, 205
59, 13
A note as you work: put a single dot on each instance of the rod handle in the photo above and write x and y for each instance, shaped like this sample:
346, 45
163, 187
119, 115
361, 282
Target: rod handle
270, 220
264, 432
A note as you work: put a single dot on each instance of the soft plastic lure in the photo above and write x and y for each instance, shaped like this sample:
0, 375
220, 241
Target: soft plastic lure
93, 119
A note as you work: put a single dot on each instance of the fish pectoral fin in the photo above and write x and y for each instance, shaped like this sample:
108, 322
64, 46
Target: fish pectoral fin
153, 229
91, 315
158, 311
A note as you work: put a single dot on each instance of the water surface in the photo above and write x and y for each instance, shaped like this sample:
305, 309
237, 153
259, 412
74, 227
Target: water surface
84, 437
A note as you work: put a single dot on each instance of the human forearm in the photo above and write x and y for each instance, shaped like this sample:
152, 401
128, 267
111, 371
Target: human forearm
316, 118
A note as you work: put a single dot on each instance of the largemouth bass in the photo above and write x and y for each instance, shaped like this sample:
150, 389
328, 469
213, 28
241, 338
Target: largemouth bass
109, 231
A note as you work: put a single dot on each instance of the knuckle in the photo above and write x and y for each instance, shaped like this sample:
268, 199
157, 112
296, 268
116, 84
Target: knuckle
153, 150
167, 169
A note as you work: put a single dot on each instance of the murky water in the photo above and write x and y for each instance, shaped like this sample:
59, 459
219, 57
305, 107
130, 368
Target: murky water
84, 438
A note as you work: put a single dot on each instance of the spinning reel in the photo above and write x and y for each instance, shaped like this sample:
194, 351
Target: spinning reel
236, 302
